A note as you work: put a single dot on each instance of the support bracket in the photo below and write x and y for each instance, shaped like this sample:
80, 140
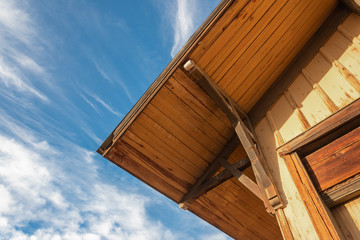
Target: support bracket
264, 187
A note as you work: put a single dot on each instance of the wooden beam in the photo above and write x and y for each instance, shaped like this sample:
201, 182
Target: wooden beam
321, 217
269, 194
225, 153
343, 117
247, 182
342, 192
354, 5
213, 182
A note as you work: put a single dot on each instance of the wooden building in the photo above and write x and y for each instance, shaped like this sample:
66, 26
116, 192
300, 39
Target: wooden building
254, 125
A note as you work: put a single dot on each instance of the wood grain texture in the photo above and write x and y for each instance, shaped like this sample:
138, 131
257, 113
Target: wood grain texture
176, 130
336, 161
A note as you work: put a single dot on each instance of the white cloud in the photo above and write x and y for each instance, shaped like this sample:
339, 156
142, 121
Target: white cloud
183, 24
36, 188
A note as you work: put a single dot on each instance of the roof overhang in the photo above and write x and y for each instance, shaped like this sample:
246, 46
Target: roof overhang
176, 130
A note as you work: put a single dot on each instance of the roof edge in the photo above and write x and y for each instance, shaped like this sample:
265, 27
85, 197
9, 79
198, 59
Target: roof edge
163, 77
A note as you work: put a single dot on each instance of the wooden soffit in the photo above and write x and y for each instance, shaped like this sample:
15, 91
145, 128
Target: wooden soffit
176, 130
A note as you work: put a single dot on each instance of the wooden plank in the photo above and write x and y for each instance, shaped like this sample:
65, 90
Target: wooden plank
168, 149
288, 47
342, 192
235, 229
205, 100
189, 120
252, 20
311, 104
256, 223
174, 122
324, 96
219, 27
177, 88
333, 83
187, 150
336, 120
286, 121
254, 228
300, 61
153, 166
286, 55
347, 215
254, 55
126, 161
298, 112
346, 73
167, 163
320, 215
254, 38
345, 51
335, 162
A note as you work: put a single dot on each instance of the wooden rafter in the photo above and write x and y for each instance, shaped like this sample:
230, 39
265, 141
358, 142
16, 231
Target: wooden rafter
208, 180
264, 188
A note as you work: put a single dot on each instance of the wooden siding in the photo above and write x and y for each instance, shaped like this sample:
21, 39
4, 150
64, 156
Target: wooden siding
327, 84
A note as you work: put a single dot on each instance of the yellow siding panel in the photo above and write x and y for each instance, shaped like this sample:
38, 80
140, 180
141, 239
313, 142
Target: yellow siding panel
347, 216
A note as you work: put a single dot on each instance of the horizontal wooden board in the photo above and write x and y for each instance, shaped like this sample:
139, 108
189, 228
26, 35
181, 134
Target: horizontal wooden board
336, 161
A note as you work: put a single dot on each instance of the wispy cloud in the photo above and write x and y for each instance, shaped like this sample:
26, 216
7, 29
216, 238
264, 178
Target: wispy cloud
17, 32
104, 104
109, 74
183, 23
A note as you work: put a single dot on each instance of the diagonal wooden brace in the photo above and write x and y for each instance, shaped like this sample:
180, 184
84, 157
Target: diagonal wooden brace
245, 132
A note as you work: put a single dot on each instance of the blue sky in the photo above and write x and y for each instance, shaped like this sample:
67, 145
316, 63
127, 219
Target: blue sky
69, 72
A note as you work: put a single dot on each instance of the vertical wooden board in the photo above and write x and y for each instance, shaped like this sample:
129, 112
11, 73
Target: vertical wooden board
295, 212
352, 25
345, 51
286, 120
347, 216
308, 100
331, 81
